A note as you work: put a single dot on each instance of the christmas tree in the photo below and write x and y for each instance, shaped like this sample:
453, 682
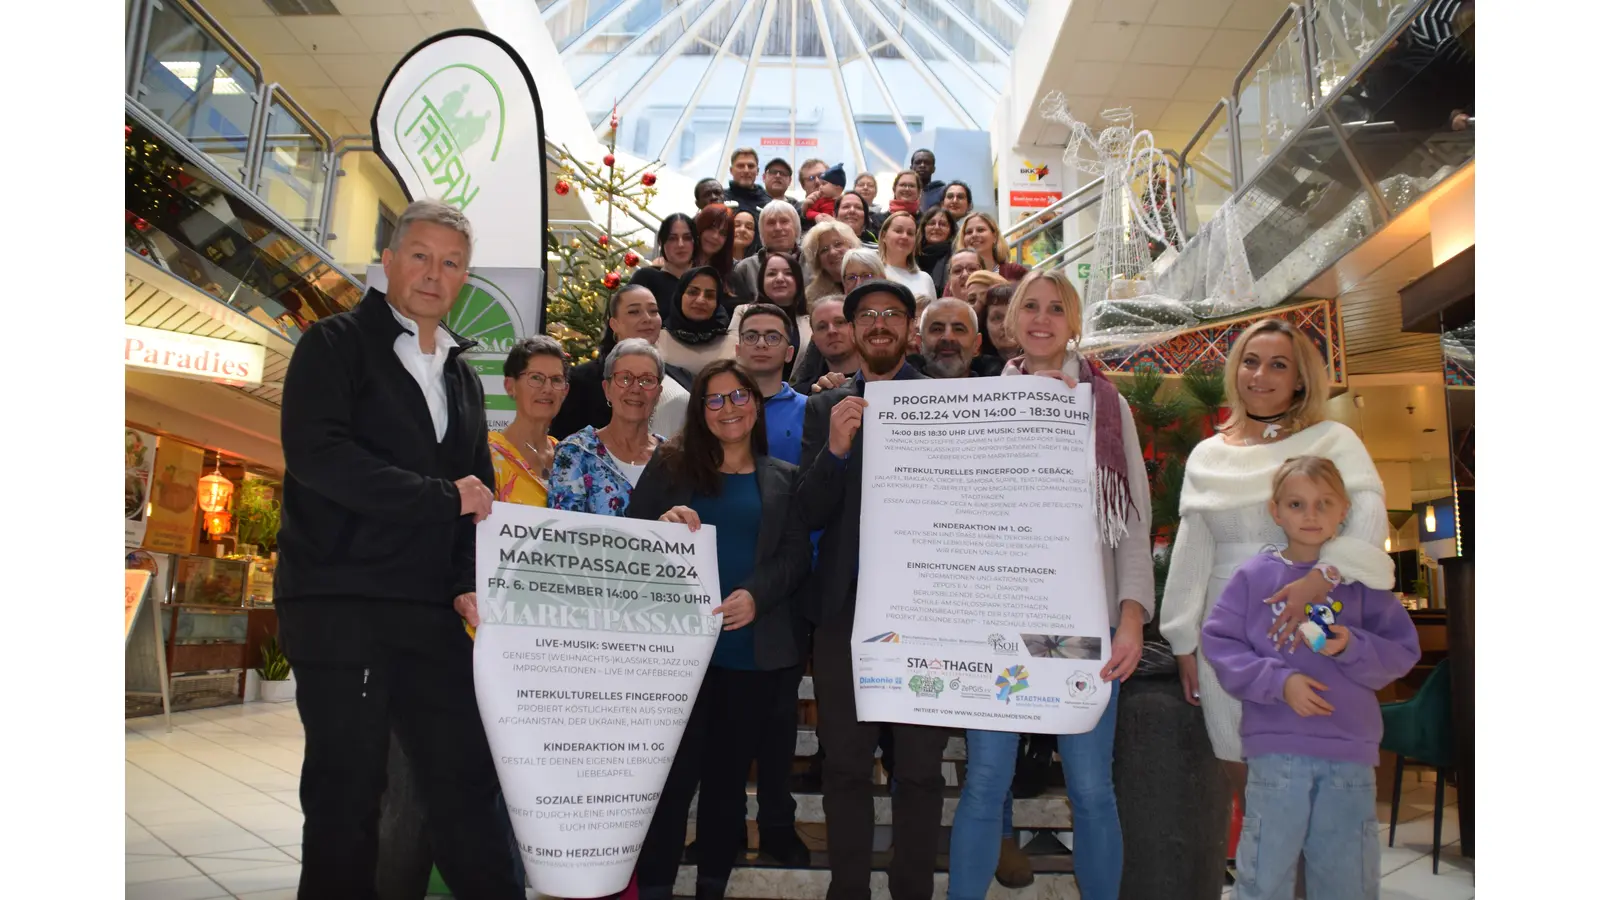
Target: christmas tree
1172, 419
590, 265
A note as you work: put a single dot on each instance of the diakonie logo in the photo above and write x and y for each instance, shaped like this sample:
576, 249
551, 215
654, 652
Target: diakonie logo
450, 129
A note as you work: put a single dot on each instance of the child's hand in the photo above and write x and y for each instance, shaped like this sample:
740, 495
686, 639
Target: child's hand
1300, 692
1336, 644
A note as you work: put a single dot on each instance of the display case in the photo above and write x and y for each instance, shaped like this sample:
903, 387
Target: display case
207, 626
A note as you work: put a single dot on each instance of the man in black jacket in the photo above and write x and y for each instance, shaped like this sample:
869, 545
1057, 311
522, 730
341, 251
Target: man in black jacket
828, 497
388, 468
743, 192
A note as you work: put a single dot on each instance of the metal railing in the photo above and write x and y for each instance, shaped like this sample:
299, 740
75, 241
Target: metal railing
1317, 92
265, 96
1048, 211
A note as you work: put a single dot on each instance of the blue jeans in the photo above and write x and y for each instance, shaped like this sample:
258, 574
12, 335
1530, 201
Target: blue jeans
1324, 809
1096, 830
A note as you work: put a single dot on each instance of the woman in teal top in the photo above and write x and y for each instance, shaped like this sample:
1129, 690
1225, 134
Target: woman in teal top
717, 472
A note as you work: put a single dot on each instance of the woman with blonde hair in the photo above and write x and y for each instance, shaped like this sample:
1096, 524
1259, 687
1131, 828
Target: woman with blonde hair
980, 233
897, 244
1048, 318
1277, 389
978, 285
823, 251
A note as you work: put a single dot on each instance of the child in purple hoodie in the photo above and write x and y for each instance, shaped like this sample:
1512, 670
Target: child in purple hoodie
1310, 723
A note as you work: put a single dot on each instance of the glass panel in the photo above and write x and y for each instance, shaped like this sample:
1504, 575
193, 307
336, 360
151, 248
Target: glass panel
619, 50
193, 83
293, 169
1408, 116
1347, 31
212, 235
1208, 181
1273, 100
1300, 192
624, 72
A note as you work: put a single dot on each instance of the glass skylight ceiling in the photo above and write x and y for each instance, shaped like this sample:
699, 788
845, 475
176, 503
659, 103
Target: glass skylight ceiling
849, 81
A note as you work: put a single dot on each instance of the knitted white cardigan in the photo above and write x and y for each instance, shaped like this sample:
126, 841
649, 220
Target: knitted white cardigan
1219, 477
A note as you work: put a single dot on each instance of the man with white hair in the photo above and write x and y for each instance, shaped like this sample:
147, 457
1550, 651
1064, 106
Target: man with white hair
779, 226
950, 340
387, 472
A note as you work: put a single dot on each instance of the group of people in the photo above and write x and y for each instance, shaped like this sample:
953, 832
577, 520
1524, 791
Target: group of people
709, 414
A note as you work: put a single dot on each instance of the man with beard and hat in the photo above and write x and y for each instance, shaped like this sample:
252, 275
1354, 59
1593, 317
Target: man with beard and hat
828, 497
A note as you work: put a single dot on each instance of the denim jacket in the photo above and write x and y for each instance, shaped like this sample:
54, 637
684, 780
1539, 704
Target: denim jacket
584, 477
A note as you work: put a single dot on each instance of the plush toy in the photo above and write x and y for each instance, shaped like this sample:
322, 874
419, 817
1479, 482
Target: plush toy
1315, 629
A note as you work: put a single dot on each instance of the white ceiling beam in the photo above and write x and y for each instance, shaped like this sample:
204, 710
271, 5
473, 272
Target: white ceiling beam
598, 28
705, 78
877, 77
1005, 7
932, 37
690, 33
838, 86
752, 65
649, 34
912, 57
971, 27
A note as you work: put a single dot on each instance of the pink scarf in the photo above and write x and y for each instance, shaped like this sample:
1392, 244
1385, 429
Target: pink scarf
1113, 495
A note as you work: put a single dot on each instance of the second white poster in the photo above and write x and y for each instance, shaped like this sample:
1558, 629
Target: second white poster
981, 601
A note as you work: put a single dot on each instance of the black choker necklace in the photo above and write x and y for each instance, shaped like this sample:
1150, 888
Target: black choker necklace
1275, 418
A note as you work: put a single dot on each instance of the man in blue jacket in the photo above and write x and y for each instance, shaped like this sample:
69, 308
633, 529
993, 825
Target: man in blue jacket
387, 469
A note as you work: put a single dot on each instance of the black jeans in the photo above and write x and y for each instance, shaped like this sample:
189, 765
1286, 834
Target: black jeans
362, 668
918, 798
726, 726
775, 756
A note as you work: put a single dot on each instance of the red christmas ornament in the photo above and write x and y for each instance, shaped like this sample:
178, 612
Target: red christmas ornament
610, 160
647, 179
631, 258
611, 280
562, 187
127, 131
604, 239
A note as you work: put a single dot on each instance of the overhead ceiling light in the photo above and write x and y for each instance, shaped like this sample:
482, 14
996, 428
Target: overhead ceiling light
302, 7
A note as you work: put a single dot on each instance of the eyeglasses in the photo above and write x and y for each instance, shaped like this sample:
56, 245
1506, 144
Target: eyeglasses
740, 397
866, 318
645, 382
856, 279
770, 338
540, 381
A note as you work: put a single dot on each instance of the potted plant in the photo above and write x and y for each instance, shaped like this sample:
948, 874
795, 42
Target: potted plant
257, 515
277, 680
1163, 768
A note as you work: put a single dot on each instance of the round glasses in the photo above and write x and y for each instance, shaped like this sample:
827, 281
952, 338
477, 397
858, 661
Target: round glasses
645, 382
866, 318
541, 381
769, 338
740, 397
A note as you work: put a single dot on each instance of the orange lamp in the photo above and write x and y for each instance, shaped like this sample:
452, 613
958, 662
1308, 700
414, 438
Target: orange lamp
218, 523
216, 492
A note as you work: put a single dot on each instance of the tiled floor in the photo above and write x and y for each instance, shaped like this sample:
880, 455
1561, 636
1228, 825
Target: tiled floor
213, 812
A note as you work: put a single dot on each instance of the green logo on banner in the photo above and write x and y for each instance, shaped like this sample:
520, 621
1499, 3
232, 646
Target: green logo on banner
1083, 271
442, 126
485, 314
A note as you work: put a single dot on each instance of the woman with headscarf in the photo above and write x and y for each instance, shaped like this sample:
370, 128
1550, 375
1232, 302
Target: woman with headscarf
696, 330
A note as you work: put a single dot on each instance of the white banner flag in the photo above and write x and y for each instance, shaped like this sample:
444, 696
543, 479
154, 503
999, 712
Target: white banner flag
459, 121
981, 601
595, 635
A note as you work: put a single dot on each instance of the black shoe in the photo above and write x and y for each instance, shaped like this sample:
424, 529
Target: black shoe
705, 889
691, 854
785, 849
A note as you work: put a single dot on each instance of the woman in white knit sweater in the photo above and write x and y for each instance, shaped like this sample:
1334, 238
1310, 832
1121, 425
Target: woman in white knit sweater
1277, 386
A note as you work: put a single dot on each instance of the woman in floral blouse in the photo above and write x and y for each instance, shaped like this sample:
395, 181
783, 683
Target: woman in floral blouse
595, 469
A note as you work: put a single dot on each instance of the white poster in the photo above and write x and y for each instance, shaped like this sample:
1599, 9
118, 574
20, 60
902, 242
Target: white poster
139, 456
981, 601
595, 635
